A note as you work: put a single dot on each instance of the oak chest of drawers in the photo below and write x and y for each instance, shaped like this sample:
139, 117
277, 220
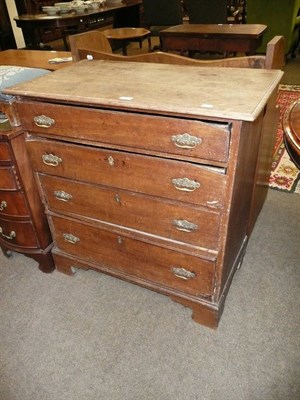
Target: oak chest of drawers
152, 173
23, 225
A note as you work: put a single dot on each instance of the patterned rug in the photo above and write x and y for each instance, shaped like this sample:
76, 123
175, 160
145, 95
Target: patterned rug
285, 175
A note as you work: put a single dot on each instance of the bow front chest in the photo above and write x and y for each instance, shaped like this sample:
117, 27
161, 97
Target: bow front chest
152, 173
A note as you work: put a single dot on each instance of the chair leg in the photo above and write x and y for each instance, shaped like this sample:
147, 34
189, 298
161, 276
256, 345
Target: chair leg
149, 43
124, 47
64, 38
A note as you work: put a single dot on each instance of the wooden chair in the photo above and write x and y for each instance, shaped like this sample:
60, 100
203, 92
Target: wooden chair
211, 12
274, 58
92, 40
161, 14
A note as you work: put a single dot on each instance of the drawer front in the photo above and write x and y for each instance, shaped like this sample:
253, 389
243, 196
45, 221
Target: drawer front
20, 234
147, 214
187, 138
169, 268
8, 179
13, 204
179, 43
4, 152
150, 175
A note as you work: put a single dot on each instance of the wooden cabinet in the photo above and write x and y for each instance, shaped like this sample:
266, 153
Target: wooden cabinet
158, 184
23, 225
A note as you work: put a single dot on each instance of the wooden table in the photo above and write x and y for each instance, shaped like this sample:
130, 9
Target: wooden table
125, 35
34, 58
233, 38
124, 14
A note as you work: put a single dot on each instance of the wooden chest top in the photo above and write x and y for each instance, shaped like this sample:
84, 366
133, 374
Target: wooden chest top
232, 93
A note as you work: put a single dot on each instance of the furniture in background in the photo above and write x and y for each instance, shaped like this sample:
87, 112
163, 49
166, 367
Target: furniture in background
273, 59
23, 224
227, 38
281, 17
35, 58
126, 35
7, 40
160, 14
124, 14
291, 127
167, 191
92, 40
212, 12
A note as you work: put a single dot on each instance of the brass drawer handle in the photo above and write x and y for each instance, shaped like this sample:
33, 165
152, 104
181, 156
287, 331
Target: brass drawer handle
62, 195
70, 238
51, 160
184, 225
3, 205
182, 273
42, 121
11, 236
185, 184
186, 141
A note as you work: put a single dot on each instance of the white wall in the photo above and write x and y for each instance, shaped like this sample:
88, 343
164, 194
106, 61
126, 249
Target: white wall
12, 12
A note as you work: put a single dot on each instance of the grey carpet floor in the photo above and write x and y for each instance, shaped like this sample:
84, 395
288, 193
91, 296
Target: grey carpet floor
95, 337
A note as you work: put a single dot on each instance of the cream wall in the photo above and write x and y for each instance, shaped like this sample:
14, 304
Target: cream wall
12, 12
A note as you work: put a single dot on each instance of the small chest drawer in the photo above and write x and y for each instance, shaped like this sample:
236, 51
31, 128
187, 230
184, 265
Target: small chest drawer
146, 214
169, 268
8, 179
13, 204
20, 234
173, 136
4, 152
176, 180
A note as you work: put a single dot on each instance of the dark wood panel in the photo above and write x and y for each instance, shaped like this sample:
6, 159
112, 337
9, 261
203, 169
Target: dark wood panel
128, 255
192, 225
170, 179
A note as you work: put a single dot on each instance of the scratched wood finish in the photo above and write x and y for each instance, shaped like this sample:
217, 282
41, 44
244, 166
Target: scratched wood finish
247, 30
34, 58
158, 88
114, 199
138, 132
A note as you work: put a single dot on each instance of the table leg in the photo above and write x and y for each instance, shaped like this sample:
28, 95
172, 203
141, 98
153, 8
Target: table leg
124, 47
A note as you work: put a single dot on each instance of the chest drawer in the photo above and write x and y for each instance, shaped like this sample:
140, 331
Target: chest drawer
8, 179
170, 268
20, 234
176, 180
4, 152
147, 214
173, 136
13, 204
